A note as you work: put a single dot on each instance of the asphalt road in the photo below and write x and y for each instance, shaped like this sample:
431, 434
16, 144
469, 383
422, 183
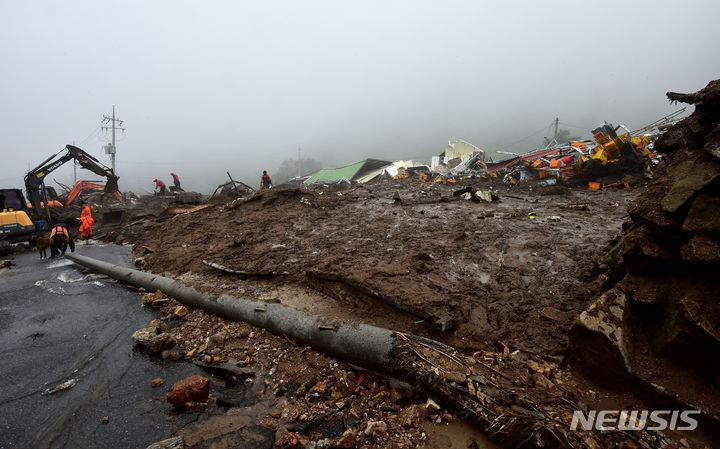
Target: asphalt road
60, 323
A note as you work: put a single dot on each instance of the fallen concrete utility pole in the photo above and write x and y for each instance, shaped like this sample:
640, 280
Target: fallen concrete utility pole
511, 411
363, 345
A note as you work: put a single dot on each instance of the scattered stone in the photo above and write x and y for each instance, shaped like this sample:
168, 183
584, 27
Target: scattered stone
174, 353
161, 342
216, 340
414, 416
347, 440
290, 414
430, 404
106, 419
319, 387
157, 382
142, 337
180, 311
189, 391
289, 441
157, 327
376, 428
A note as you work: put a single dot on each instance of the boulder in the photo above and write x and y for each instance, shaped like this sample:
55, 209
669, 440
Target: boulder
704, 215
189, 391
599, 341
688, 177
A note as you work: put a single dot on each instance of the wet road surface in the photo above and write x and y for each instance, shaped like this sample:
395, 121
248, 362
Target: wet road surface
60, 324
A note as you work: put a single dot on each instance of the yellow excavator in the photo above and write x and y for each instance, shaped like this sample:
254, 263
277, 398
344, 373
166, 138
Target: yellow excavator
15, 223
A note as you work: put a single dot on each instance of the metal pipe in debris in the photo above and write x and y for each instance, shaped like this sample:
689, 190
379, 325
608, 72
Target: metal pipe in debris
364, 345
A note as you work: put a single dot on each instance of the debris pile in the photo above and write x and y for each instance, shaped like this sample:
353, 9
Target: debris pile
656, 328
509, 395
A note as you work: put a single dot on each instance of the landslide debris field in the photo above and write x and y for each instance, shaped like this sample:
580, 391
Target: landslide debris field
513, 272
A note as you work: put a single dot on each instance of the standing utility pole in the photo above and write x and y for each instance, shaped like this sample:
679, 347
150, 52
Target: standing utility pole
557, 121
299, 163
110, 149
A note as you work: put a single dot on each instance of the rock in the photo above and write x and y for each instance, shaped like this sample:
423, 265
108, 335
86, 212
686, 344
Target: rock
689, 176
174, 353
157, 382
432, 405
216, 340
180, 311
701, 248
290, 414
106, 419
191, 390
142, 337
157, 327
170, 443
161, 342
414, 416
376, 428
347, 440
289, 441
599, 341
319, 387
704, 215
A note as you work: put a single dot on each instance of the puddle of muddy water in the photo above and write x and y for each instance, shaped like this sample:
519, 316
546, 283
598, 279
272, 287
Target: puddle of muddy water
456, 435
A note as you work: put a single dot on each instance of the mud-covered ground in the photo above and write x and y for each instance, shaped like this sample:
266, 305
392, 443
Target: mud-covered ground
505, 279
513, 272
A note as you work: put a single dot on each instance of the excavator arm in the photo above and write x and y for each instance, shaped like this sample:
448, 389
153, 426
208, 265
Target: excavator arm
35, 178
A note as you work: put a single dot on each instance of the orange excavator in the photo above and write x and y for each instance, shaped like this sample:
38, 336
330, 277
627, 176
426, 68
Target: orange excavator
88, 185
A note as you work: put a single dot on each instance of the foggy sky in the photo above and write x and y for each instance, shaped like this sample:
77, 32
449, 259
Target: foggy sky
207, 87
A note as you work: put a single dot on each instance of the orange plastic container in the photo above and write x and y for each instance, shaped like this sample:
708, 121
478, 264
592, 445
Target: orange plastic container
594, 185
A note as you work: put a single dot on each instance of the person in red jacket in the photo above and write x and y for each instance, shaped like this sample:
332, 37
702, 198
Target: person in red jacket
159, 185
176, 181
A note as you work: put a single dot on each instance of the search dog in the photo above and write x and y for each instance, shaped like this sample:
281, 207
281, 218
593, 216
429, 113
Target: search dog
42, 243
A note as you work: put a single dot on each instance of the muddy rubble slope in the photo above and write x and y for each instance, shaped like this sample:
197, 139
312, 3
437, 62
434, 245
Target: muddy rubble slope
657, 330
430, 262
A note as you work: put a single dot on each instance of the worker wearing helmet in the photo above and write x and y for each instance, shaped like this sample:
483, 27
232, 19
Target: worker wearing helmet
176, 181
265, 181
159, 185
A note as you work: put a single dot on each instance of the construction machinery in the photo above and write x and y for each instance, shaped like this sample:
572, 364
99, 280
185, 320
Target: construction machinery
15, 223
35, 180
88, 185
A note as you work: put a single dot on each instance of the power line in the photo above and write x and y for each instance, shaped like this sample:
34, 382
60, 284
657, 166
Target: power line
110, 149
528, 137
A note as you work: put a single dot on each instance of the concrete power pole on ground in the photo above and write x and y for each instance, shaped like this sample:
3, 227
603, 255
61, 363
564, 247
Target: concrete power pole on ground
111, 124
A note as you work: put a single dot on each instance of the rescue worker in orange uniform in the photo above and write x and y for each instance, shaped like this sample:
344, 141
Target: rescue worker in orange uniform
265, 181
61, 238
86, 222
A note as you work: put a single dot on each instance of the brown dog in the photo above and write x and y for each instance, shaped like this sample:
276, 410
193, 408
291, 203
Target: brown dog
42, 243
